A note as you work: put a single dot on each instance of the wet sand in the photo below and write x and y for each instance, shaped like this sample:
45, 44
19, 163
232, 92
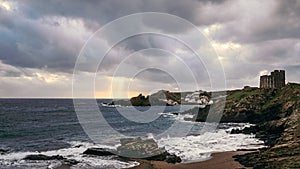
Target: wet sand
64, 166
223, 160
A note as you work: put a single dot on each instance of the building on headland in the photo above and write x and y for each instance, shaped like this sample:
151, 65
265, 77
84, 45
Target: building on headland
275, 80
198, 97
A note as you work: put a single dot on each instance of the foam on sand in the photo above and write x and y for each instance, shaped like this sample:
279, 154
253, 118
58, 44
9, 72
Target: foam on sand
199, 148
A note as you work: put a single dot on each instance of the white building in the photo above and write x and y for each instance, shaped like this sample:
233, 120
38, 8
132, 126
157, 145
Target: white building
195, 98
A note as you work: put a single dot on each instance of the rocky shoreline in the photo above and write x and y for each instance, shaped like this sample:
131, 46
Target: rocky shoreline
131, 149
275, 113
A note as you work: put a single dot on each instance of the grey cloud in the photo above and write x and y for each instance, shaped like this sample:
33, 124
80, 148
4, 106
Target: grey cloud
152, 57
29, 42
9, 73
276, 52
108, 10
293, 73
38, 51
267, 30
263, 21
35, 45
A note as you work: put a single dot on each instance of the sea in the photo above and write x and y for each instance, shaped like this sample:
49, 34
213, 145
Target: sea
52, 127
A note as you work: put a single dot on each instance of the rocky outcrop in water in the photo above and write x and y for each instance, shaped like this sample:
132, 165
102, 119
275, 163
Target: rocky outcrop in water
145, 149
3, 151
136, 148
99, 152
43, 157
160, 98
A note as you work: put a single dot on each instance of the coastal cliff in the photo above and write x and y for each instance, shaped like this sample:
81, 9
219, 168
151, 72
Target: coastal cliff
254, 105
276, 113
278, 124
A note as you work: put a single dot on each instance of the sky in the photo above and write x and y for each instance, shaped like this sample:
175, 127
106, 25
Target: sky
40, 42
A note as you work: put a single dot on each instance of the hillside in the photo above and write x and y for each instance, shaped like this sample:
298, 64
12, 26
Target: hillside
254, 105
280, 129
276, 115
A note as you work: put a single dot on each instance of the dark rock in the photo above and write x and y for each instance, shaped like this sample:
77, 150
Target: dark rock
99, 152
172, 159
138, 148
125, 141
156, 99
140, 100
277, 124
77, 146
43, 157
71, 161
145, 149
4, 151
267, 132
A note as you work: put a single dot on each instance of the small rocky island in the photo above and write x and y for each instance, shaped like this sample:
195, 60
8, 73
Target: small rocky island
148, 149
167, 98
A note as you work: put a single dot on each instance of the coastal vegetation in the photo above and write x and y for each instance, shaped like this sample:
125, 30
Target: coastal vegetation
278, 124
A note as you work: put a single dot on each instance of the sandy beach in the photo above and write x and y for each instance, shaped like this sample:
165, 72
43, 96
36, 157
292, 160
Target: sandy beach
223, 160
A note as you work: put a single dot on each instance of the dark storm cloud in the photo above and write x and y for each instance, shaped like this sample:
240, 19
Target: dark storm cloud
48, 35
104, 11
275, 52
263, 21
28, 41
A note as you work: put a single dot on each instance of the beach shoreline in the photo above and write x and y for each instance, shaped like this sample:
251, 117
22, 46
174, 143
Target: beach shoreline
220, 160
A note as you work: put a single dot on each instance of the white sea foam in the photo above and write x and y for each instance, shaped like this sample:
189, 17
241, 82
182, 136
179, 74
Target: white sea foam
74, 152
109, 105
197, 148
237, 126
181, 117
178, 117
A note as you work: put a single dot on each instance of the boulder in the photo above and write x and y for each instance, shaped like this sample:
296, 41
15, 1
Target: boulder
98, 152
172, 159
43, 157
136, 147
71, 161
3, 151
145, 149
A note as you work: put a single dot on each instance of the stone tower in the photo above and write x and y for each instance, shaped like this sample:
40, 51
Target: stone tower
275, 80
